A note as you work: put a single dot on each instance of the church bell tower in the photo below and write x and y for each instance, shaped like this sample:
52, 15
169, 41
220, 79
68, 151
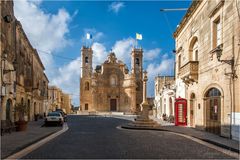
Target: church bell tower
137, 72
136, 64
86, 57
85, 79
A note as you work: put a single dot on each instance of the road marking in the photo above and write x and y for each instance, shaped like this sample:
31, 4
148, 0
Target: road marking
36, 145
225, 151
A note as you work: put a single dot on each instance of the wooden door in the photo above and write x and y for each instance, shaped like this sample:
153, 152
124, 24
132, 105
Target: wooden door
213, 116
113, 105
192, 113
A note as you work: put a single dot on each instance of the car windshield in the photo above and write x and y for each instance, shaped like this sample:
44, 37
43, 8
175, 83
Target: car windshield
54, 114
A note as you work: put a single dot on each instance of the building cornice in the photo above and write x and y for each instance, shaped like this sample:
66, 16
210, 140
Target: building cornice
216, 9
38, 59
191, 10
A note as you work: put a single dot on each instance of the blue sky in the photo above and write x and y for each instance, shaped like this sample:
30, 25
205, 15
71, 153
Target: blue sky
57, 30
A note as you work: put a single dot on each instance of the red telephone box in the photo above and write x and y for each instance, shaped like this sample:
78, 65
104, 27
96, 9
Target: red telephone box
180, 112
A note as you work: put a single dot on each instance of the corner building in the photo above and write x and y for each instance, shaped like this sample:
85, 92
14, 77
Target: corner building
111, 86
207, 51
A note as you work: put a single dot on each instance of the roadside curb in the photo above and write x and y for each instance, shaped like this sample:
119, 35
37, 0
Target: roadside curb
205, 140
24, 150
26, 145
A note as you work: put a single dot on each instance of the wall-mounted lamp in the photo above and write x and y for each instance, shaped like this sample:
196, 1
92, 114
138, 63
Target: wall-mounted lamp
218, 51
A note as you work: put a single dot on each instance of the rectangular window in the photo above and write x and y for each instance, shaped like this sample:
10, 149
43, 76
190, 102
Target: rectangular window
219, 28
217, 33
179, 62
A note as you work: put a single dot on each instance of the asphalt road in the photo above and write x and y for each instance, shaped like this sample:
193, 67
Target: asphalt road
98, 138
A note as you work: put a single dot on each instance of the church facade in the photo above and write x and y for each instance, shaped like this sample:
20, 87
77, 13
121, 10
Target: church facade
111, 87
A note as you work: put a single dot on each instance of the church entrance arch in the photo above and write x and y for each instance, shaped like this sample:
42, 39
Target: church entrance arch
113, 105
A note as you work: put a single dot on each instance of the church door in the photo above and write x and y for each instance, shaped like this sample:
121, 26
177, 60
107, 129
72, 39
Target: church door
113, 105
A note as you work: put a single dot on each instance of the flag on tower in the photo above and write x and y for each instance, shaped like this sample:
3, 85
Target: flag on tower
138, 36
89, 36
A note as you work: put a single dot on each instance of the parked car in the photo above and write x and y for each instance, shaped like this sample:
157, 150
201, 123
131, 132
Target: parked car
54, 118
63, 114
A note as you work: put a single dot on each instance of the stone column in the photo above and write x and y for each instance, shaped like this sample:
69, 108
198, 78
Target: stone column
145, 105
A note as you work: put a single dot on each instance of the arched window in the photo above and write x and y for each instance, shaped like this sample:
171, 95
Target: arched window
86, 59
137, 61
213, 92
8, 109
193, 50
86, 86
192, 96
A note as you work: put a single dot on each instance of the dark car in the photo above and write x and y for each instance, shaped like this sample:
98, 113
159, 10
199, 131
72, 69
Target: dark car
63, 114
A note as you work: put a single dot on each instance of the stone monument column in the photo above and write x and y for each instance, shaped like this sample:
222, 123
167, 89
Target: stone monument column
143, 120
144, 105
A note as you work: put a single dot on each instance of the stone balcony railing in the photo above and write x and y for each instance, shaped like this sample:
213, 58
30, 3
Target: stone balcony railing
189, 72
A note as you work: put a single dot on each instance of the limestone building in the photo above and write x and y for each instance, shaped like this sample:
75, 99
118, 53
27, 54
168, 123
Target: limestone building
7, 60
66, 103
207, 70
21, 78
164, 95
111, 86
31, 81
57, 99
54, 98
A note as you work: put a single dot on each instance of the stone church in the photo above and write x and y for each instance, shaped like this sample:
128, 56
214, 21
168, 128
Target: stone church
111, 86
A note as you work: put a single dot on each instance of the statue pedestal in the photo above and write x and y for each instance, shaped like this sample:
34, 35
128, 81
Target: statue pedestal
143, 121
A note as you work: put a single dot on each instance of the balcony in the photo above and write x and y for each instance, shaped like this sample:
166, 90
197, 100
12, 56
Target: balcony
189, 72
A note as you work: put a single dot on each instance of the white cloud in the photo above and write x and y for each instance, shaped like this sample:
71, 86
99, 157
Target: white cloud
68, 78
123, 49
166, 67
46, 32
116, 6
152, 54
99, 54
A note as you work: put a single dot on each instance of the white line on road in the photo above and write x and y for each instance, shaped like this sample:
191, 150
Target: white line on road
34, 146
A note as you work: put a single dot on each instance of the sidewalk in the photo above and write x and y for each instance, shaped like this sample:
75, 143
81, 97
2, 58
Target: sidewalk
199, 134
16, 141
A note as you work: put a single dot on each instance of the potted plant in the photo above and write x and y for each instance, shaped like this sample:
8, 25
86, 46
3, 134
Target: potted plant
21, 109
